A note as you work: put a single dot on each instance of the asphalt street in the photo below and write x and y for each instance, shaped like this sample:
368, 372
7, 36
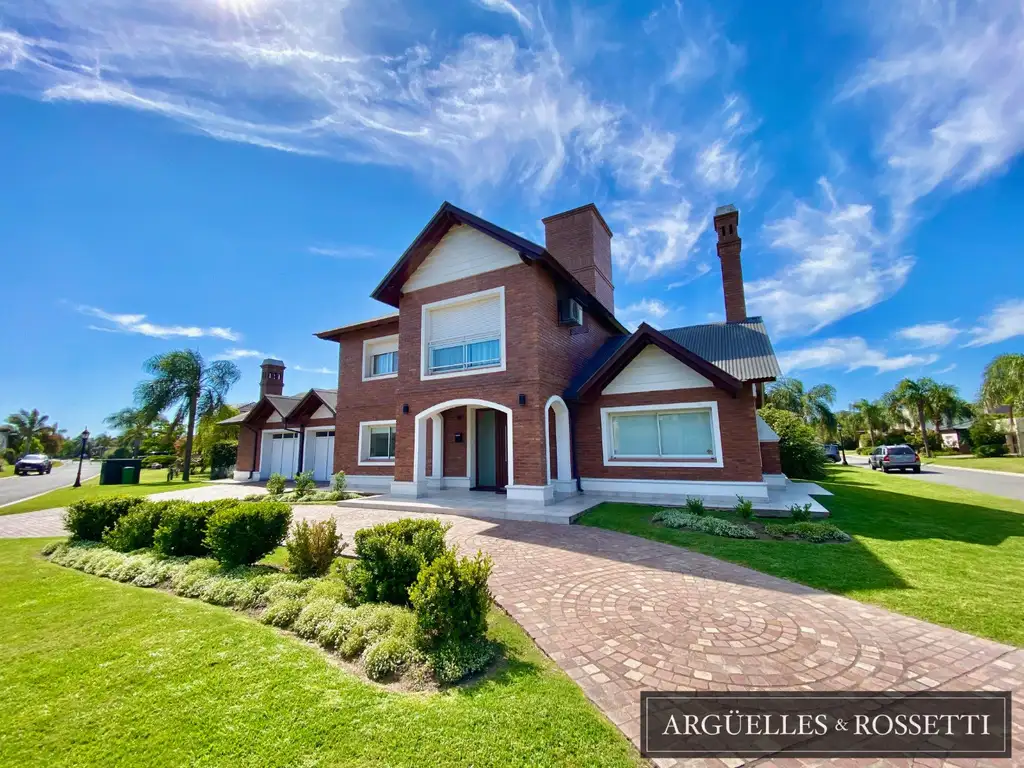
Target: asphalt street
14, 488
1010, 486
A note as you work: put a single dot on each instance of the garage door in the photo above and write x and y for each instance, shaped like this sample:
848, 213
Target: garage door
322, 460
284, 454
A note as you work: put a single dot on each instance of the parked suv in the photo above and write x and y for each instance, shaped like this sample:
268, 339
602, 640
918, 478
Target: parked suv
831, 452
33, 462
889, 457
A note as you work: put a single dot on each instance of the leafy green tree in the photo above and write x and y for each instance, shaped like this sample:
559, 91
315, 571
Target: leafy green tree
133, 427
946, 405
184, 381
913, 396
210, 431
1003, 384
872, 414
29, 426
813, 405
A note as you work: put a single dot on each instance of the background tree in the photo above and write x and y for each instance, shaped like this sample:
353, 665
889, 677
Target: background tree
946, 406
184, 381
912, 396
210, 432
28, 425
132, 425
813, 405
1003, 384
872, 414
52, 439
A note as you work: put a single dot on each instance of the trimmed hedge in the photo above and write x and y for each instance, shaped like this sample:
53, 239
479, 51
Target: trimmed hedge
88, 520
391, 556
182, 530
135, 529
450, 598
244, 533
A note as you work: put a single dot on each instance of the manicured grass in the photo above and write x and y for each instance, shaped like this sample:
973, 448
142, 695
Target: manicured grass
97, 673
997, 463
944, 554
151, 481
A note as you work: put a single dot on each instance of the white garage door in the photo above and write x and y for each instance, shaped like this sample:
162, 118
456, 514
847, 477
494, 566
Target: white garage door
284, 455
322, 459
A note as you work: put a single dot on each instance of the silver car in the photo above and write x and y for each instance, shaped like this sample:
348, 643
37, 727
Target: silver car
890, 457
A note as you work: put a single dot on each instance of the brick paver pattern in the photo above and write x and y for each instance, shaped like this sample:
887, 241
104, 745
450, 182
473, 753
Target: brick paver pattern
622, 614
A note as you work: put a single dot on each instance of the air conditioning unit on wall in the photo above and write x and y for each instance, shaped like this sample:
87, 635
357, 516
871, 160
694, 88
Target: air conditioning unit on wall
570, 312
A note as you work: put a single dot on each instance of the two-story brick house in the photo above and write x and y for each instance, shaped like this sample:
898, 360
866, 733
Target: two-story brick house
504, 369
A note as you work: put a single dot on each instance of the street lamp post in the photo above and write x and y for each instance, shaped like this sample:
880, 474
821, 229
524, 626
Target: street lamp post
81, 457
842, 450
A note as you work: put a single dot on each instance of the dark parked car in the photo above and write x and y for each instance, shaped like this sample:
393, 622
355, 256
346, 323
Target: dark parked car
831, 453
33, 462
890, 457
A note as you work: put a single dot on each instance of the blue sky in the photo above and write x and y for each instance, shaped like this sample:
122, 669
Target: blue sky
235, 175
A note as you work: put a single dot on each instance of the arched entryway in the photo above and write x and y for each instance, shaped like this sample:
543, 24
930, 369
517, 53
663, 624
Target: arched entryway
563, 446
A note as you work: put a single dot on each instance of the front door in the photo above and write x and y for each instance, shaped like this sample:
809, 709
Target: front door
491, 450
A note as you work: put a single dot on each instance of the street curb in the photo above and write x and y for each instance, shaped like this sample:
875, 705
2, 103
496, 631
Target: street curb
982, 471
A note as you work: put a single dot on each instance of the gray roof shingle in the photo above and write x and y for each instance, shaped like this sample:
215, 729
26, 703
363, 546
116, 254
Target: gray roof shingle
740, 349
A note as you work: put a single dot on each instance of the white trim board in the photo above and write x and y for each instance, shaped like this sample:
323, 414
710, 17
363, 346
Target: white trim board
362, 458
607, 444
378, 346
681, 488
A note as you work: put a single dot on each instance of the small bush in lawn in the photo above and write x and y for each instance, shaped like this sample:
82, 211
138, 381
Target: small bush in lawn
676, 518
744, 508
388, 657
695, 506
275, 484
88, 520
800, 513
245, 533
457, 659
332, 632
371, 622
304, 484
312, 548
451, 598
339, 482
313, 617
283, 613
135, 529
391, 556
52, 547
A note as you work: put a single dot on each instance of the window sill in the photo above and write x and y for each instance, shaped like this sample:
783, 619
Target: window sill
381, 376
710, 463
376, 462
468, 372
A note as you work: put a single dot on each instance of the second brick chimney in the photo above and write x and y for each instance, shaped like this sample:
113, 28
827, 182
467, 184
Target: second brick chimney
272, 377
727, 222
582, 243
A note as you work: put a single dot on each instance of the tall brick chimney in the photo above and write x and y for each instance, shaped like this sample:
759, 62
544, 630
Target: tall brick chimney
582, 243
272, 377
727, 222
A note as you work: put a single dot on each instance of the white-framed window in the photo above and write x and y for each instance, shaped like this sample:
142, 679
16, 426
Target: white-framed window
463, 336
377, 443
380, 358
669, 435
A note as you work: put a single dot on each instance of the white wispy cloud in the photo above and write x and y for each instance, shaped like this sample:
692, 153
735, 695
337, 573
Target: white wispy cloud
322, 370
849, 354
655, 239
1005, 322
504, 6
949, 368
719, 165
699, 271
240, 354
930, 334
650, 311
130, 323
344, 251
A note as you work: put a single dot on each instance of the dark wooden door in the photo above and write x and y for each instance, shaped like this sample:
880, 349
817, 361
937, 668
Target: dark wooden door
501, 449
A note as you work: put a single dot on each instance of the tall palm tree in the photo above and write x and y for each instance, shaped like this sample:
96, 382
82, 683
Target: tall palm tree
914, 397
185, 381
1003, 384
873, 415
132, 424
29, 425
814, 405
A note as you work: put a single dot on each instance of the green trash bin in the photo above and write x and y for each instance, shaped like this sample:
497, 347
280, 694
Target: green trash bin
128, 476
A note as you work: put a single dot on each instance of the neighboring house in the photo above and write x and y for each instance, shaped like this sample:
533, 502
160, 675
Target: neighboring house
1011, 425
285, 434
505, 369
4, 430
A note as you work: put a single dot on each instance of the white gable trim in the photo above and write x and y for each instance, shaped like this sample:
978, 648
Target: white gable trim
464, 251
655, 370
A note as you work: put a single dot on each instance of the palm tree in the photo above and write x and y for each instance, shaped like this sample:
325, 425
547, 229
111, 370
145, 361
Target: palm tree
28, 424
873, 415
183, 380
1003, 384
814, 405
132, 424
913, 396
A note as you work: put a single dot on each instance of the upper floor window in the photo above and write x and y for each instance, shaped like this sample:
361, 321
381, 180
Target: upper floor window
464, 336
380, 358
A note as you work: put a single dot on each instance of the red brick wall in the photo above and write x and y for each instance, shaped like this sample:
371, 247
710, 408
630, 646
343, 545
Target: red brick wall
740, 449
455, 453
771, 462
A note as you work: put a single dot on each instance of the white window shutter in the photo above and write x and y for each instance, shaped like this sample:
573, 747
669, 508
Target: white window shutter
469, 320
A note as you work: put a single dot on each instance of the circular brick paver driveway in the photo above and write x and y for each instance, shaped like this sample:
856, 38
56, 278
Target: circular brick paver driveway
622, 614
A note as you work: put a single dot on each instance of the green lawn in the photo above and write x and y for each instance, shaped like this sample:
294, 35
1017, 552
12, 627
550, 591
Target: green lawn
943, 554
152, 481
97, 673
997, 463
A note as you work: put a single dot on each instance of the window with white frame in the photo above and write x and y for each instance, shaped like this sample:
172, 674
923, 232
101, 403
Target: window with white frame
380, 358
464, 335
677, 433
377, 442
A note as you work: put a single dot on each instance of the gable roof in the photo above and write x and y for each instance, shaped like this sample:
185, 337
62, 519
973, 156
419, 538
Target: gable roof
741, 349
390, 288
286, 405
618, 352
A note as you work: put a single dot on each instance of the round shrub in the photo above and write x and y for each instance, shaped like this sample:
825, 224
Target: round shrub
135, 529
89, 519
245, 533
282, 613
339, 482
275, 484
391, 556
388, 657
312, 548
456, 659
799, 450
451, 598
182, 529
304, 484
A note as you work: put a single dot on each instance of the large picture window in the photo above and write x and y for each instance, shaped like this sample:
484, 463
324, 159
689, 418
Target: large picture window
677, 435
465, 335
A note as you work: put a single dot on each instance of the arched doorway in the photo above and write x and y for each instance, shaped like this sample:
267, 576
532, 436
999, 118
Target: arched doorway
563, 445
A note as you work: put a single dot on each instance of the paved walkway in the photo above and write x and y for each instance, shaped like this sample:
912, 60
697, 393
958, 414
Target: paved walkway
622, 614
